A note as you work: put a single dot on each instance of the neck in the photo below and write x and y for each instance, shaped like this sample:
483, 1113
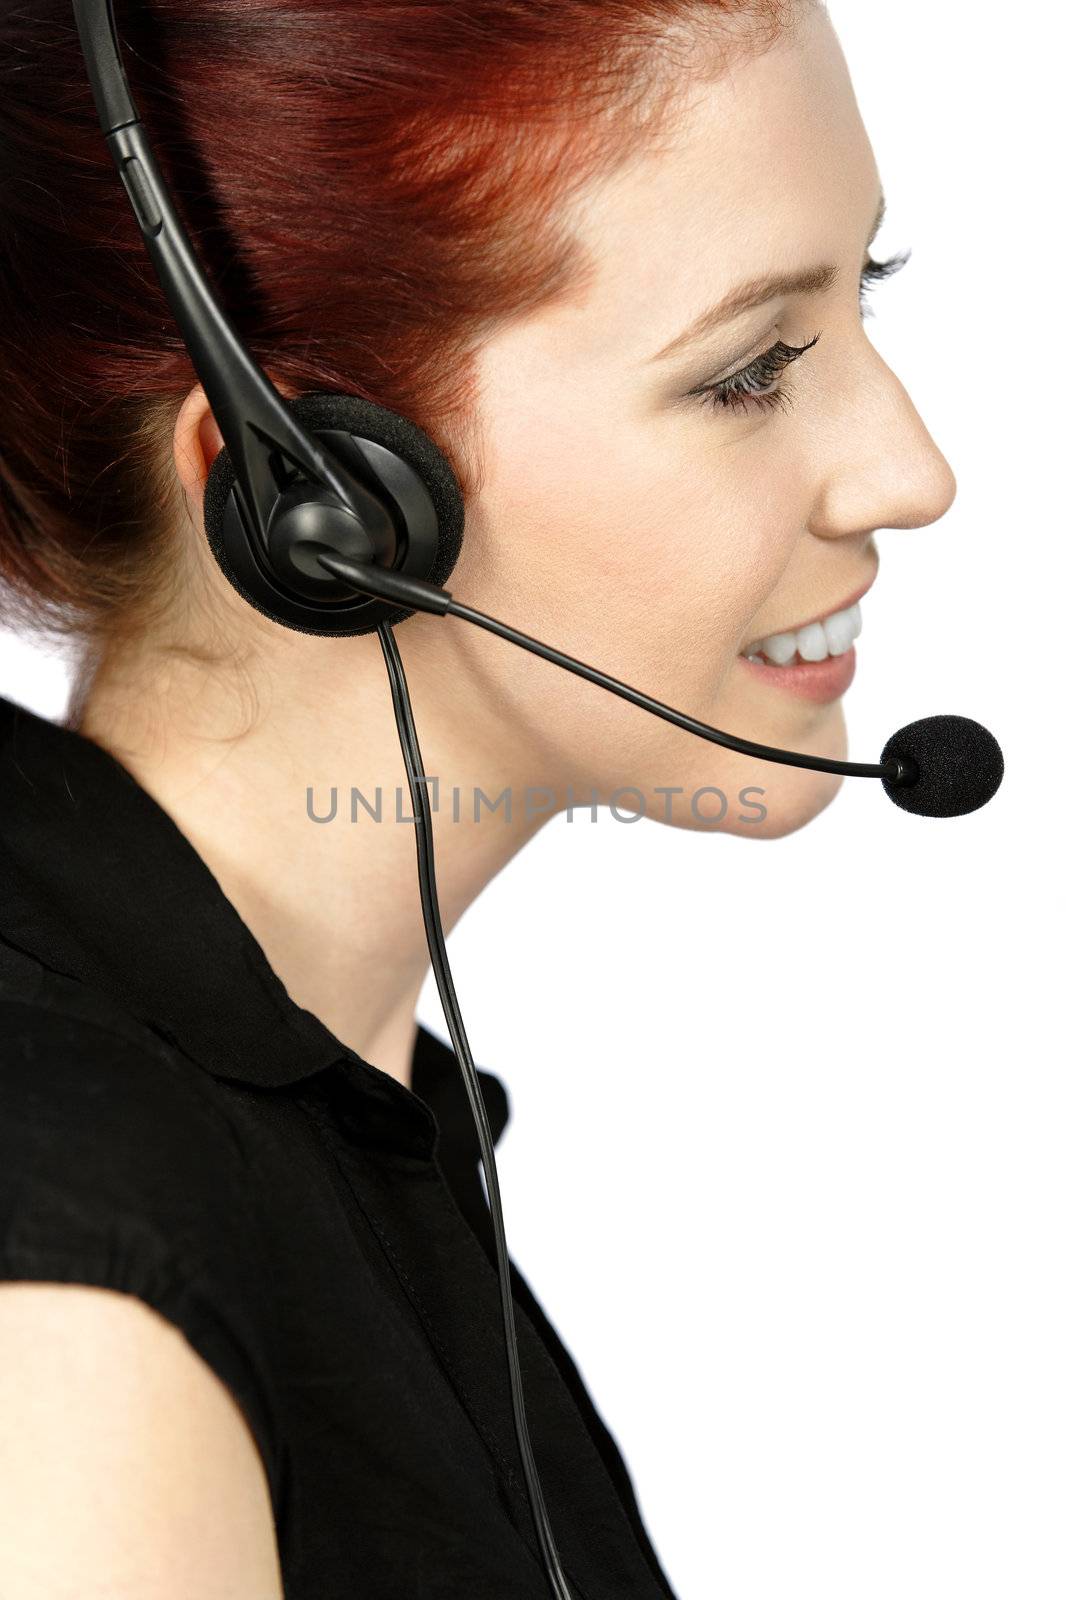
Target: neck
243, 762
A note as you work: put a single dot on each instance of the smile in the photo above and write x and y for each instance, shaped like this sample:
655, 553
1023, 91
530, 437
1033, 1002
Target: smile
815, 661
832, 635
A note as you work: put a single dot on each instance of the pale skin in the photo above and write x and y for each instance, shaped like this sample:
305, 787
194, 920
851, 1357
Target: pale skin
697, 532
634, 528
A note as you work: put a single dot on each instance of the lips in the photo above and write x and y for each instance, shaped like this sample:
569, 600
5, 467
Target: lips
814, 660
818, 681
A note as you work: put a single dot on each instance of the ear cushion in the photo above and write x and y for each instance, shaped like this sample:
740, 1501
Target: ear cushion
323, 410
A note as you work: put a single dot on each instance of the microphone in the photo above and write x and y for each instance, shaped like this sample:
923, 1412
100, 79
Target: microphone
939, 767
959, 766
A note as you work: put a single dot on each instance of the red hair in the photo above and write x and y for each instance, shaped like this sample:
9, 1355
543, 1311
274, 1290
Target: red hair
371, 184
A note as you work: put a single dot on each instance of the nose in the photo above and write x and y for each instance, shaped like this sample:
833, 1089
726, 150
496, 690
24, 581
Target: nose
879, 466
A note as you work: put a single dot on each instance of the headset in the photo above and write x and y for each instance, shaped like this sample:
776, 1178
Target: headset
334, 516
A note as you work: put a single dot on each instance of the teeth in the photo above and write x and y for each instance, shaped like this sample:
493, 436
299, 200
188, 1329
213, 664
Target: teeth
831, 637
842, 629
779, 648
810, 642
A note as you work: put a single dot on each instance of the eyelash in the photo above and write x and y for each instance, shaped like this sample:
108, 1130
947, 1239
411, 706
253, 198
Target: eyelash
749, 387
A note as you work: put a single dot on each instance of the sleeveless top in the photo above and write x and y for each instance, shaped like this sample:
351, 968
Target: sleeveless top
174, 1126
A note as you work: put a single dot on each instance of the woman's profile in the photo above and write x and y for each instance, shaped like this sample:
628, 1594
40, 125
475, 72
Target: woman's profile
612, 256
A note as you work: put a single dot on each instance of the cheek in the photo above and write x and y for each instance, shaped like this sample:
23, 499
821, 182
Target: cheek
729, 551
653, 548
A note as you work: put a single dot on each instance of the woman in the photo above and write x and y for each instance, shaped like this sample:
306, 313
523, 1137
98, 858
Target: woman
611, 258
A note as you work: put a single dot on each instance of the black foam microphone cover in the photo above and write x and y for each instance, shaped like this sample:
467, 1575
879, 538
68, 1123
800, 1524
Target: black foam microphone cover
960, 766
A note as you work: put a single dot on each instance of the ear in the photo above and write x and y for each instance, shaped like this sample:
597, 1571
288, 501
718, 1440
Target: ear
197, 442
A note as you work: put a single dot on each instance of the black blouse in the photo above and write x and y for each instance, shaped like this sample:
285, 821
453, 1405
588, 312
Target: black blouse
174, 1126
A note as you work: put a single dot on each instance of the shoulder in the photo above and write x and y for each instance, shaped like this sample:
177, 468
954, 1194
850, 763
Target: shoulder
119, 1170
120, 1441
69, 1055
91, 1103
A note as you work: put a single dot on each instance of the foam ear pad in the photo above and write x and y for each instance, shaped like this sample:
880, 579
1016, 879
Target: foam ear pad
323, 411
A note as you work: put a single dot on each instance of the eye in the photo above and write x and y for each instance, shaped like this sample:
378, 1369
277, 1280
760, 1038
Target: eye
756, 384
876, 272
753, 385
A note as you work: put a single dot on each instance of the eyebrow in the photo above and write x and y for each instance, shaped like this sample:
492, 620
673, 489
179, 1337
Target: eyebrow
746, 296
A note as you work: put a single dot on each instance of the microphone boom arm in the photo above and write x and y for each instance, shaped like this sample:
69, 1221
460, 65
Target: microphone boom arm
417, 595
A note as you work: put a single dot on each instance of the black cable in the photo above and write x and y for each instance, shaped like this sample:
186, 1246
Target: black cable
427, 883
416, 594
731, 741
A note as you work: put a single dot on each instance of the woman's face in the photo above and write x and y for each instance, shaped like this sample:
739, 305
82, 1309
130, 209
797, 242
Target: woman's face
662, 537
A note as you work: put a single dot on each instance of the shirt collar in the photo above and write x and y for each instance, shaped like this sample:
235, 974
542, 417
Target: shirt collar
99, 884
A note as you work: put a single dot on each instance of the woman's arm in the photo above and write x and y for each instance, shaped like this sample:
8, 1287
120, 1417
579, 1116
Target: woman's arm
126, 1465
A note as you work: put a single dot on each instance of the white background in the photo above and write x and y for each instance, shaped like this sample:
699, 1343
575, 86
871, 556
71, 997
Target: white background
786, 1158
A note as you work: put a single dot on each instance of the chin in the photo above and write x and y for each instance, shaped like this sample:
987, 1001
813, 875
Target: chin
755, 799
791, 803
794, 795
